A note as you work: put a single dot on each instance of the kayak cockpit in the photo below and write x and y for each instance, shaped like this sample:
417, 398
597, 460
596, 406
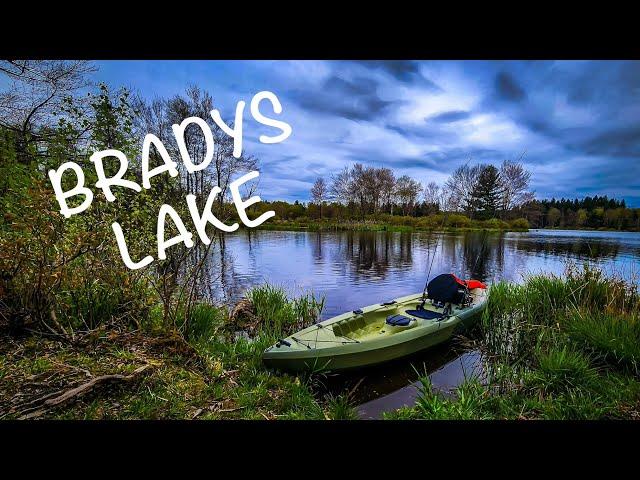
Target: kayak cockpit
384, 331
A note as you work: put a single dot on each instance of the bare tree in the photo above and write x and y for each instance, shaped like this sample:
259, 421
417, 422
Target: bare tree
34, 92
341, 184
407, 191
385, 184
319, 193
158, 116
461, 185
433, 195
515, 184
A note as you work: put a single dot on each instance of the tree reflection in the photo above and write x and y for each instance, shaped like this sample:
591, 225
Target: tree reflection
353, 266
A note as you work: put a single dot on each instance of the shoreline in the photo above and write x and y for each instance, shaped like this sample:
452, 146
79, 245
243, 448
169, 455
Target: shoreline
375, 227
576, 370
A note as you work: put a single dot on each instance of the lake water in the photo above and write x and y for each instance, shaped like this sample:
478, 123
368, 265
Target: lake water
355, 269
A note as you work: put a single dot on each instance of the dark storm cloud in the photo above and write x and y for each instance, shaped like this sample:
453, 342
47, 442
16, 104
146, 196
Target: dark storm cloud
620, 142
605, 83
355, 99
450, 117
403, 70
507, 88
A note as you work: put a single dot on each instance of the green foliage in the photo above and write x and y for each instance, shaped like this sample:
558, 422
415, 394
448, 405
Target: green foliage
468, 402
278, 314
594, 213
562, 370
458, 220
519, 224
555, 348
339, 408
204, 321
487, 192
615, 339
496, 224
59, 274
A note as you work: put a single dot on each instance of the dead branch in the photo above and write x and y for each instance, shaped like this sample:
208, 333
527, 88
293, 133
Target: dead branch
73, 394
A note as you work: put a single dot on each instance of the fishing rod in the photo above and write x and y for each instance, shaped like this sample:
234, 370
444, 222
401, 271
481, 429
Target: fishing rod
444, 219
424, 290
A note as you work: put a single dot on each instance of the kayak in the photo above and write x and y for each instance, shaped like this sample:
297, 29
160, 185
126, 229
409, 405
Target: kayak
375, 334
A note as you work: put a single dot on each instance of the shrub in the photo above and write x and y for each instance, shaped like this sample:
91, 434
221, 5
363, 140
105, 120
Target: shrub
430, 222
496, 224
519, 224
458, 220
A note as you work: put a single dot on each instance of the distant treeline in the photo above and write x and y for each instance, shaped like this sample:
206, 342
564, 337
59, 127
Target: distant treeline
598, 212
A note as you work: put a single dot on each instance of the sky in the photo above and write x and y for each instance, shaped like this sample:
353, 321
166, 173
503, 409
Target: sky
574, 124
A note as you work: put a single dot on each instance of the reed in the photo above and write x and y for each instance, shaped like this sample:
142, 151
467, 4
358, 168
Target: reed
280, 314
556, 347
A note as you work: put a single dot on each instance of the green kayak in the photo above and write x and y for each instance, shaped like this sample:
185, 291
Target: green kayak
374, 334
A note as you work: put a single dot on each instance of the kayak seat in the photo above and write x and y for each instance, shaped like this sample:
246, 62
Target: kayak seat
348, 326
425, 314
398, 320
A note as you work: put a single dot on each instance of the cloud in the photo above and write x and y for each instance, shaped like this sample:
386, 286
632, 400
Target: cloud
403, 70
617, 142
508, 89
449, 117
354, 99
578, 122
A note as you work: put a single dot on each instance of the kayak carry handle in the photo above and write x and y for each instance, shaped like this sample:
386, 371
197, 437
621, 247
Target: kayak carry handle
358, 312
385, 304
282, 342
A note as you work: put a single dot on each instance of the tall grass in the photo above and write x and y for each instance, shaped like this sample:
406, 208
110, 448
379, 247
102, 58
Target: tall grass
614, 339
280, 315
598, 310
557, 347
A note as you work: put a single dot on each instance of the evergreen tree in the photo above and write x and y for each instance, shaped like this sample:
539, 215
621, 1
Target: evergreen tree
487, 192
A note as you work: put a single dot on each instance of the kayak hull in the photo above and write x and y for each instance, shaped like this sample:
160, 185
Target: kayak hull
361, 339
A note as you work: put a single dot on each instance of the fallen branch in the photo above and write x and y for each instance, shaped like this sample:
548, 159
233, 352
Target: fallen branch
77, 392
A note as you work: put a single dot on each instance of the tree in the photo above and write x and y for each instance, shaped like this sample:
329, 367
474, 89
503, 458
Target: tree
34, 93
319, 193
515, 183
581, 217
407, 191
341, 186
158, 116
385, 182
460, 187
433, 197
553, 215
487, 192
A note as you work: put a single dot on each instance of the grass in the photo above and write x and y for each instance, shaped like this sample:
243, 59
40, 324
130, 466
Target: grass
556, 348
614, 339
339, 408
279, 314
209, 374
389, 223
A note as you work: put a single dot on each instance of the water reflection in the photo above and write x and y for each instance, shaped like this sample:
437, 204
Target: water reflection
354, 269
396, 384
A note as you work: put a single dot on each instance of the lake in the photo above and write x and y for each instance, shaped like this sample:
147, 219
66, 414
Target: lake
355, 269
